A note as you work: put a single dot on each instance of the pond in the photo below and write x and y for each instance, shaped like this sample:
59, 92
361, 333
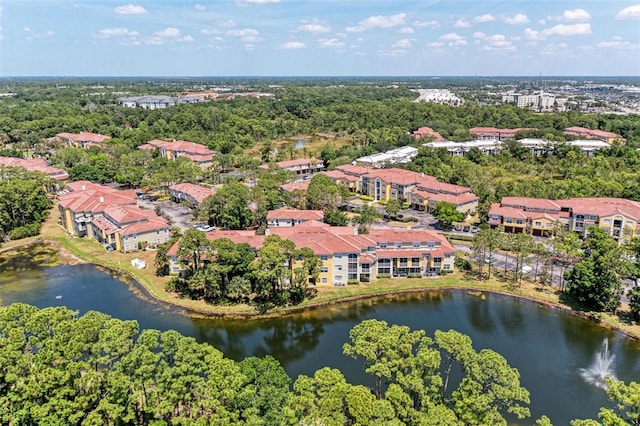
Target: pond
549, 347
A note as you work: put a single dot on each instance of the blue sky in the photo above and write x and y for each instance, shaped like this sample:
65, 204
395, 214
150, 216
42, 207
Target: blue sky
319, 38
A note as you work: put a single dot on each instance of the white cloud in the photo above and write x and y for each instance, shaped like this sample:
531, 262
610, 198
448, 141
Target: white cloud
249, 46
479, 35
257, 1
378, 22
406, 30
618, 43
246, 32
187, 39
200, 7
314, 27
34, 34
404, 43
542, 21
630, 12
251, 39
518, 18
487, 17
426, 24
294, 45
450, 39
533, 35
209, 31
131, 9
554, 49
227, 23
27, 29
116, 32
461, 23
393, 53
331, 43
576, 15
498, 42
168, 32
568, 30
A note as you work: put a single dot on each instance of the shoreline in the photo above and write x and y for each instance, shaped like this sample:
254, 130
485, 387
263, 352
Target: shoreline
67, 256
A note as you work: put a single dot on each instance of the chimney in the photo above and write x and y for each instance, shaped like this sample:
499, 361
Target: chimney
84, 188
355, 230
267, 232
101, 199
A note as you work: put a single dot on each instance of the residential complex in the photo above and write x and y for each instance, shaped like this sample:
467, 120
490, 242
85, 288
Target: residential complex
299, 166
190, 193
618, 216
81, 140
347, 256
160, 102
292, 217
536, 101
35, 165
581, 132
110, 216
491, 133
534, 145
195, 152
400, 155
428, 132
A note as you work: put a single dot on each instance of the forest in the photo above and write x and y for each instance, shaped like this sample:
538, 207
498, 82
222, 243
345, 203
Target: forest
58, 367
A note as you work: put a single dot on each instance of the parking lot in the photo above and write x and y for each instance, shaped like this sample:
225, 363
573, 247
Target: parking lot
180, 215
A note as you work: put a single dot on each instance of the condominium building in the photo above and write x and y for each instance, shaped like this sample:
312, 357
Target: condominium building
292, 217
400, 155
582, 132
347, 256
620, 217
81, 140
109, 216
190, 193
195, 152
299, 166
35, 165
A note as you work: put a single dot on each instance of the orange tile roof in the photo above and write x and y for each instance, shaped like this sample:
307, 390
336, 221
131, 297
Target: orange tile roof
525, 202
152, 224
299, 162
428, 131
179, 146
350, 169
125, 214
35, 165
299, 186
197, 192
395, 175
295, 214
94, 138
104, 225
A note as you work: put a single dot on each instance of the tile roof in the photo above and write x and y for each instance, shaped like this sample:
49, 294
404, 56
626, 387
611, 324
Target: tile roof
94, 138
428, 131
295, 186
395, 175
180, 147
35, 165
197, 192
351, 169
300, 162
106, 226
295, 214
92, 200
124, 214
531, 203
152, 224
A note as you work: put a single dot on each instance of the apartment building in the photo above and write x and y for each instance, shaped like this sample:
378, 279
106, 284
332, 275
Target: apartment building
195, 152
299, 166
428, 132
347, 256
35, 165
582, 132
491, 133
619, 217
109, 216
292, 217
81, 140
536, 146
190, 193
400, 155
420, 190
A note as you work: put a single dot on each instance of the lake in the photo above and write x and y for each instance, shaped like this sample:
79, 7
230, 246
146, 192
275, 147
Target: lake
548, 346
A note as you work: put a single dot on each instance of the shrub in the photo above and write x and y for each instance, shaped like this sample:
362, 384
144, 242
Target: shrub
366, 198
29, 230
445, 271
405, 205
462, 264
353, 282
382, 276
414, 276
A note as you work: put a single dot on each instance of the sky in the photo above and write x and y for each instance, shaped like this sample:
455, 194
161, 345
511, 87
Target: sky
319, 38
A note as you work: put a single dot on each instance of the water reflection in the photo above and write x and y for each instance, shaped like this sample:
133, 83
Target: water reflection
548, 347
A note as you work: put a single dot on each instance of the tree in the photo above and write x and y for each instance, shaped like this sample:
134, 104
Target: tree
634, 302
366, 216
446, 213
323, 193
192, 246
335, 218
272, 269
393, 207
228, 207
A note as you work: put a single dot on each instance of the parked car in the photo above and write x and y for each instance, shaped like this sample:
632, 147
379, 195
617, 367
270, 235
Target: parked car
458, 228
474, 229
466, 228
206, 228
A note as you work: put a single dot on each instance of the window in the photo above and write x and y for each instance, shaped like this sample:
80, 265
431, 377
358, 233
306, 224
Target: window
431, 244
353, 257
337, 278
446, 266
337, 256
416, 245
324, 269
324, 280
383, 245
324, 257
397, 244
607, 221
538, 223
415, 260
509, 220
519, 221
338, 267
371, 249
